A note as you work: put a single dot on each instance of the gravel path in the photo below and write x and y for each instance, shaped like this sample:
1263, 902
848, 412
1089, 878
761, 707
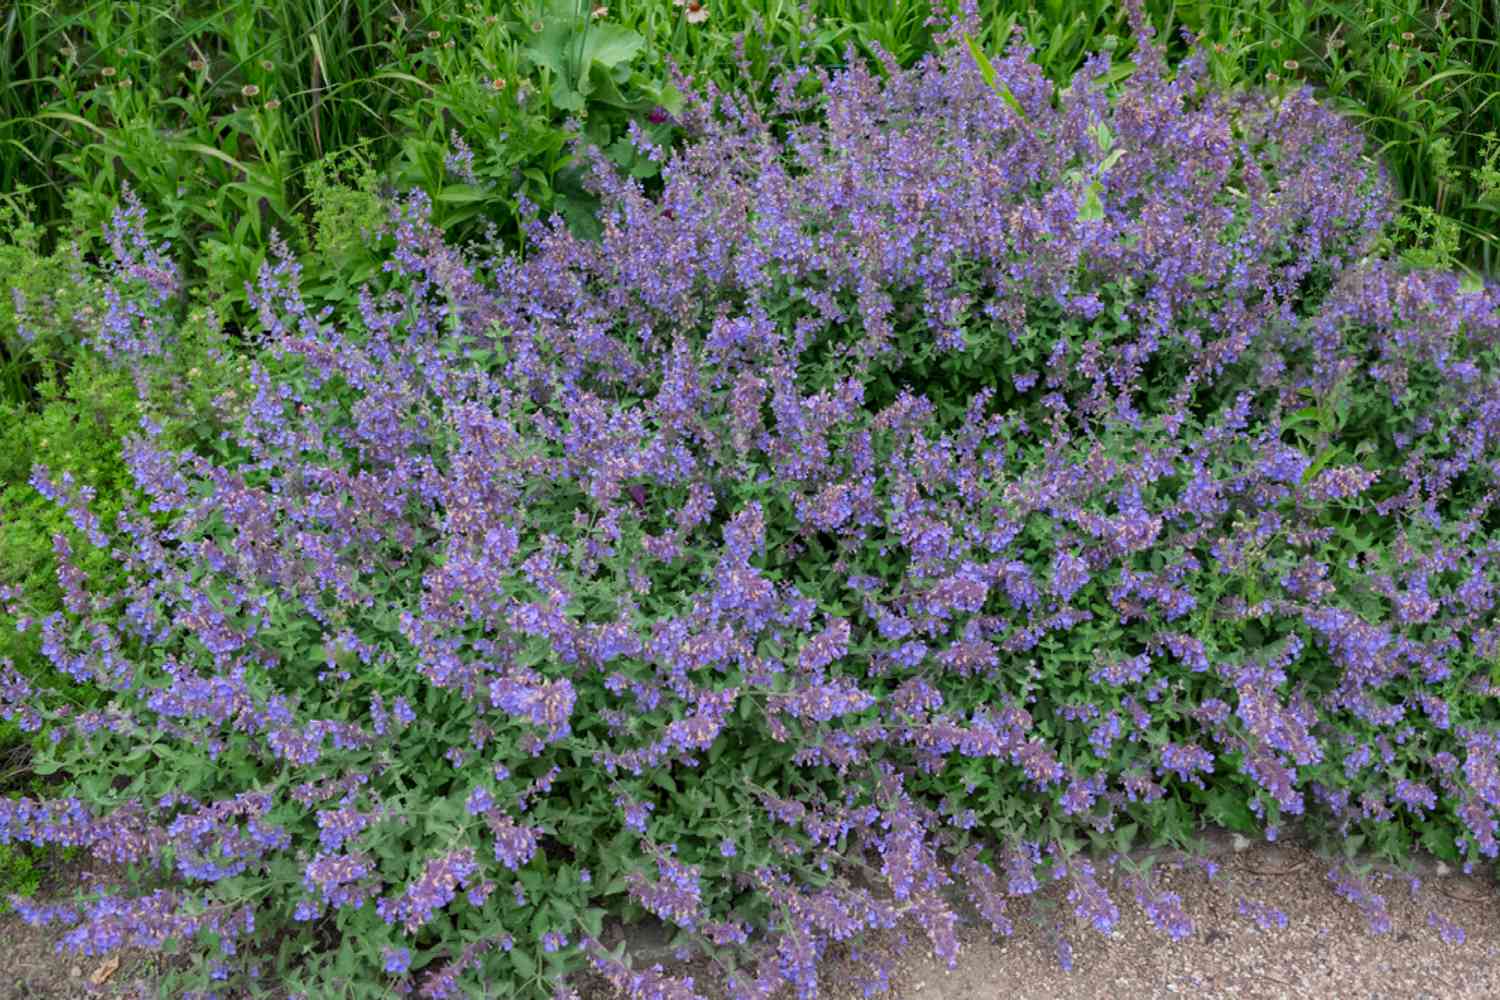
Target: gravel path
1326, 949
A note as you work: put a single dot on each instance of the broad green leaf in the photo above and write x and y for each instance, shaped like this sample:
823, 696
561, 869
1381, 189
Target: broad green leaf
462, 194
1090, 208
987, 69
611, 44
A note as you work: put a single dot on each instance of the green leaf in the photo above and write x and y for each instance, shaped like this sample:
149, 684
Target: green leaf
611, 44
1321, 462
1090, 208
523, 962
1306, 415
605, 90
593, 921
1439, 842
462, 194
987, 70
565, 98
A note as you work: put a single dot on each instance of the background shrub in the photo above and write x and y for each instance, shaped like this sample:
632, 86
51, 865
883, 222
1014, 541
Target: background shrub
216, 113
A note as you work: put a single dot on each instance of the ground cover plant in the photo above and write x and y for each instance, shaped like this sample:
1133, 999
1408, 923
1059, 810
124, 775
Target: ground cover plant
925, 499
231, 120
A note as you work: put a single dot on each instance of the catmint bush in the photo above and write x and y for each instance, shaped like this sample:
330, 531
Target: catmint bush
903, 501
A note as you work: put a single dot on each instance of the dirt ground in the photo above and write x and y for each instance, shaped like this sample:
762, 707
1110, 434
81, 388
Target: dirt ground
1325, 950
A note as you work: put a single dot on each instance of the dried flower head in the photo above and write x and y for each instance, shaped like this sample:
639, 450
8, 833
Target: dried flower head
107, 72
249, 90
